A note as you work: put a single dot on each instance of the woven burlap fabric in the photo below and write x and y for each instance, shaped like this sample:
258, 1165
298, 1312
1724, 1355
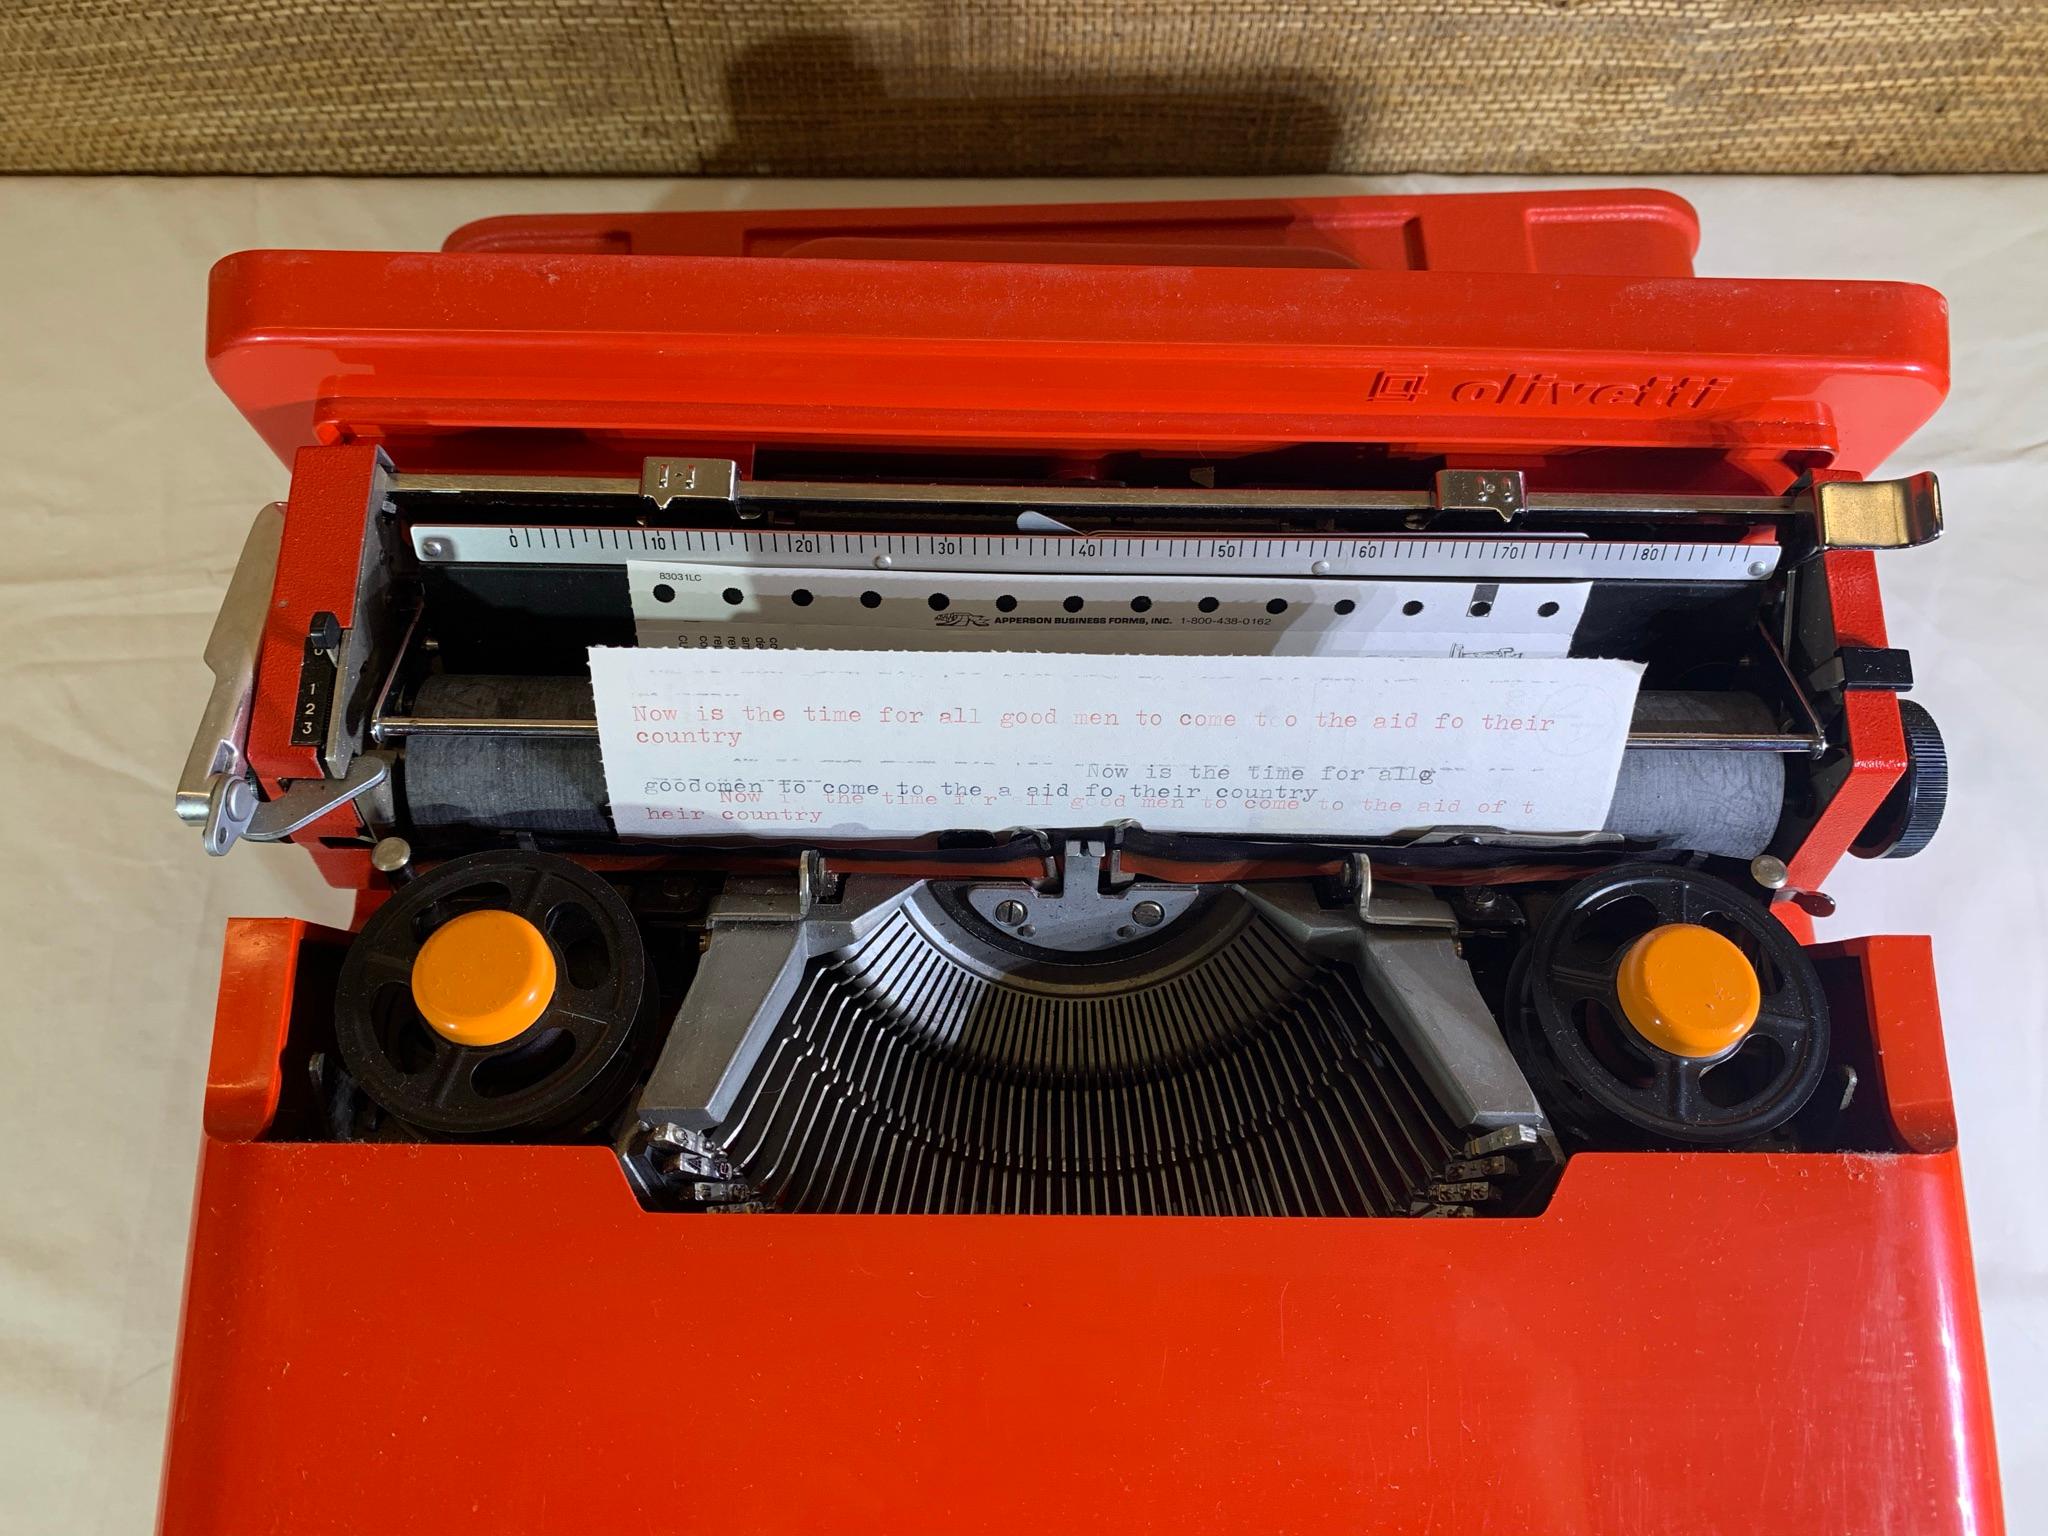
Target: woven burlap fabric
1054, 87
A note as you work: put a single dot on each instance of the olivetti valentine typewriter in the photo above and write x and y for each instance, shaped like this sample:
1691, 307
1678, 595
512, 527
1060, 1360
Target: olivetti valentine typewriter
1128, 867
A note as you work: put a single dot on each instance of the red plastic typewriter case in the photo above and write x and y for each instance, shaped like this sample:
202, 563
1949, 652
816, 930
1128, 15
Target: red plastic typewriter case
441, 1337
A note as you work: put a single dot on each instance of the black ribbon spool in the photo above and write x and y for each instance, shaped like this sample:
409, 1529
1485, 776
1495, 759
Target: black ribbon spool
1603, 1082
564, 1071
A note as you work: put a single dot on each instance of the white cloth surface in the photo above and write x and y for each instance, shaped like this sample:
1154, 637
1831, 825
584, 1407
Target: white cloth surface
126, 485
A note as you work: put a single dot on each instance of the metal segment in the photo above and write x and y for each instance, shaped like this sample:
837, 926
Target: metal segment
1223, 1070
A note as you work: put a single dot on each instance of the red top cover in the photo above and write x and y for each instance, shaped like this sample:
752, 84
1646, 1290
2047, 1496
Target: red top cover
1523, 327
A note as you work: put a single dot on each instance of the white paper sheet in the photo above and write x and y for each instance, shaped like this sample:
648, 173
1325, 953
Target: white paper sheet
841, 745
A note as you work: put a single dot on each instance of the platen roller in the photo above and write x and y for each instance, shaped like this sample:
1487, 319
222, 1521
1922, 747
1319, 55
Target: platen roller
1709, 801
470, 781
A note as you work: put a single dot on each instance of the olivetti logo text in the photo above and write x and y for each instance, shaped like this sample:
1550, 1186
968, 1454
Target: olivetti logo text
1556, 391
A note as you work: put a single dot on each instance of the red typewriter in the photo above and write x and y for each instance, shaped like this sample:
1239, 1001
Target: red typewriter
928, 954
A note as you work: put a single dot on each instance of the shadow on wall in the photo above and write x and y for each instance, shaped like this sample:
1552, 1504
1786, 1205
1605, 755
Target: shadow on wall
812, 104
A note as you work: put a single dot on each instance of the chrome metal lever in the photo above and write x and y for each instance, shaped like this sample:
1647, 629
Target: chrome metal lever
236, 813
218, 752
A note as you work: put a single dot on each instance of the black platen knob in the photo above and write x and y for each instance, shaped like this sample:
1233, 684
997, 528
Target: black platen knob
1910, 815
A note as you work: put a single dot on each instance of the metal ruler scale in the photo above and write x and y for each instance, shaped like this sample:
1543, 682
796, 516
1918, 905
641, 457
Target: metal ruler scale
1418, 556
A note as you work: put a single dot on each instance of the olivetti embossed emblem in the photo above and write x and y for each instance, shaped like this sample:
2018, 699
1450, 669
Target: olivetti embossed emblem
1536, 390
